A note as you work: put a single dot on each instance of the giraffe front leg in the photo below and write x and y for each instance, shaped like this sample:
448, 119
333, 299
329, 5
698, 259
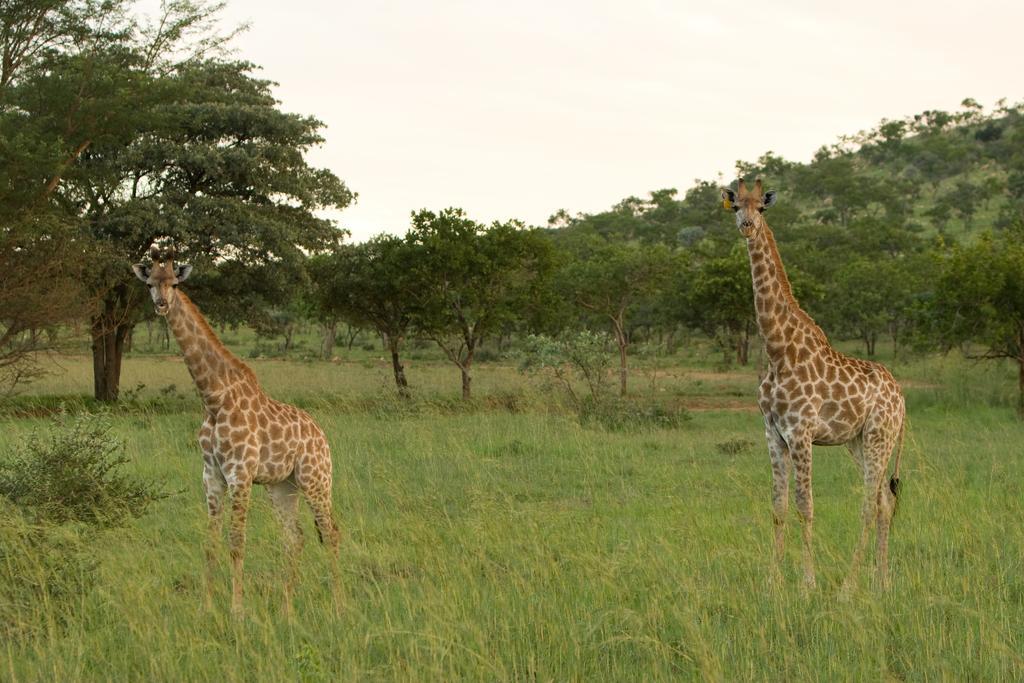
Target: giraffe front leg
240, 492
214, 486
801, 455
778, 452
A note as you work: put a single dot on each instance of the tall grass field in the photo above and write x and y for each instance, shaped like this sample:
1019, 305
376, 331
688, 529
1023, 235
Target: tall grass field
500, 539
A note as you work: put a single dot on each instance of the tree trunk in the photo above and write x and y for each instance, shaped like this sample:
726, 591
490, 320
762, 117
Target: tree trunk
353, 332
330, 334
464, 367
466, 380
399, 370
869, 342
1020, 387
743, 346
108, 337
623, 342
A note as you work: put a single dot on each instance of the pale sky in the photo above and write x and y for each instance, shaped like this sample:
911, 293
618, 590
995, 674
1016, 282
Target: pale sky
517, 109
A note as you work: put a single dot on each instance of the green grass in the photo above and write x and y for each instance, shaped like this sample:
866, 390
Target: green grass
483, 544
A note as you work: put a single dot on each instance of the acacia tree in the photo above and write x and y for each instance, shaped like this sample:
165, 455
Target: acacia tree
167, 143
610, 280
373, 284
474, 280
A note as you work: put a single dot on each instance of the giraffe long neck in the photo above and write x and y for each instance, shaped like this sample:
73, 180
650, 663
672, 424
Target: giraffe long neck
212, 366
781, 321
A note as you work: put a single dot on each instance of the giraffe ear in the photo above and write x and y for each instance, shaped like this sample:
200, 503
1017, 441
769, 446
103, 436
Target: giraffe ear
141, 271
728, 198
182, 272
769, 198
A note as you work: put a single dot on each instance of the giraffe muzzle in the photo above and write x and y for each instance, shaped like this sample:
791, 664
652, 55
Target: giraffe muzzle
162, 308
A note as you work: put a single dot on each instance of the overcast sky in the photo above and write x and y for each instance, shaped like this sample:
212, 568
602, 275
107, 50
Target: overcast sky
517, 109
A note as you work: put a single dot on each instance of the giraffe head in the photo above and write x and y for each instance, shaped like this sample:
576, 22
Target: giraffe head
748, 206
162, 277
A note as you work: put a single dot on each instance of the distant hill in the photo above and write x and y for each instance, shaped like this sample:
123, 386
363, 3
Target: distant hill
949, 174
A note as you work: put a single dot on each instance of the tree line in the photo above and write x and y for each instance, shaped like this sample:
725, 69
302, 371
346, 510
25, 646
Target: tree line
115, 131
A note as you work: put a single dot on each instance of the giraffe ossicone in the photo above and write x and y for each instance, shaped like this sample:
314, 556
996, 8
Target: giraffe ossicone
246, 437
814, 395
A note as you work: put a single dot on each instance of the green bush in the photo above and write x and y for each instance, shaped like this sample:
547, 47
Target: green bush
73, 473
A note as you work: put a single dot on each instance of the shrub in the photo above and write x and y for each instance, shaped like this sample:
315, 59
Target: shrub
580, 357
73, 474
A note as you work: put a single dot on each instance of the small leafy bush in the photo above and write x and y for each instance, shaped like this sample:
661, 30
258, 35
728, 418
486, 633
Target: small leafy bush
581, 357
73, 473
582, 360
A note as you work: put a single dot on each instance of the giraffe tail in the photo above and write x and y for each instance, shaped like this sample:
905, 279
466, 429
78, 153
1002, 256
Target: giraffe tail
894, 480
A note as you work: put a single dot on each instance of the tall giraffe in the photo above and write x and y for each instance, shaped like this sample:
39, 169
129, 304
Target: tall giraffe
247, 437
813, 394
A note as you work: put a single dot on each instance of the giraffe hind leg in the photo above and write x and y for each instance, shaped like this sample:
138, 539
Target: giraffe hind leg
285, 498
877, 445
319, 499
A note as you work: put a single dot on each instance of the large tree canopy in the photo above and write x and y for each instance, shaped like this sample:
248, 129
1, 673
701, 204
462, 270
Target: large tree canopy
376, 284
475, 279
142, 135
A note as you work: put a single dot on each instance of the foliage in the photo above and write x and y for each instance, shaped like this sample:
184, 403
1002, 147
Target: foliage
75, 473
610, 281
571, 357
583, 358
475, 280
153, 133
979, 298
377, 284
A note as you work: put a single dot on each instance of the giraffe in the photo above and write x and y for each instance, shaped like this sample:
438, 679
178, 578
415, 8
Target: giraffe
246, 438
814, 395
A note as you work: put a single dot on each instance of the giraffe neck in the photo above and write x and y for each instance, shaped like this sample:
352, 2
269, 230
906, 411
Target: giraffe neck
214, 369
780, 319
